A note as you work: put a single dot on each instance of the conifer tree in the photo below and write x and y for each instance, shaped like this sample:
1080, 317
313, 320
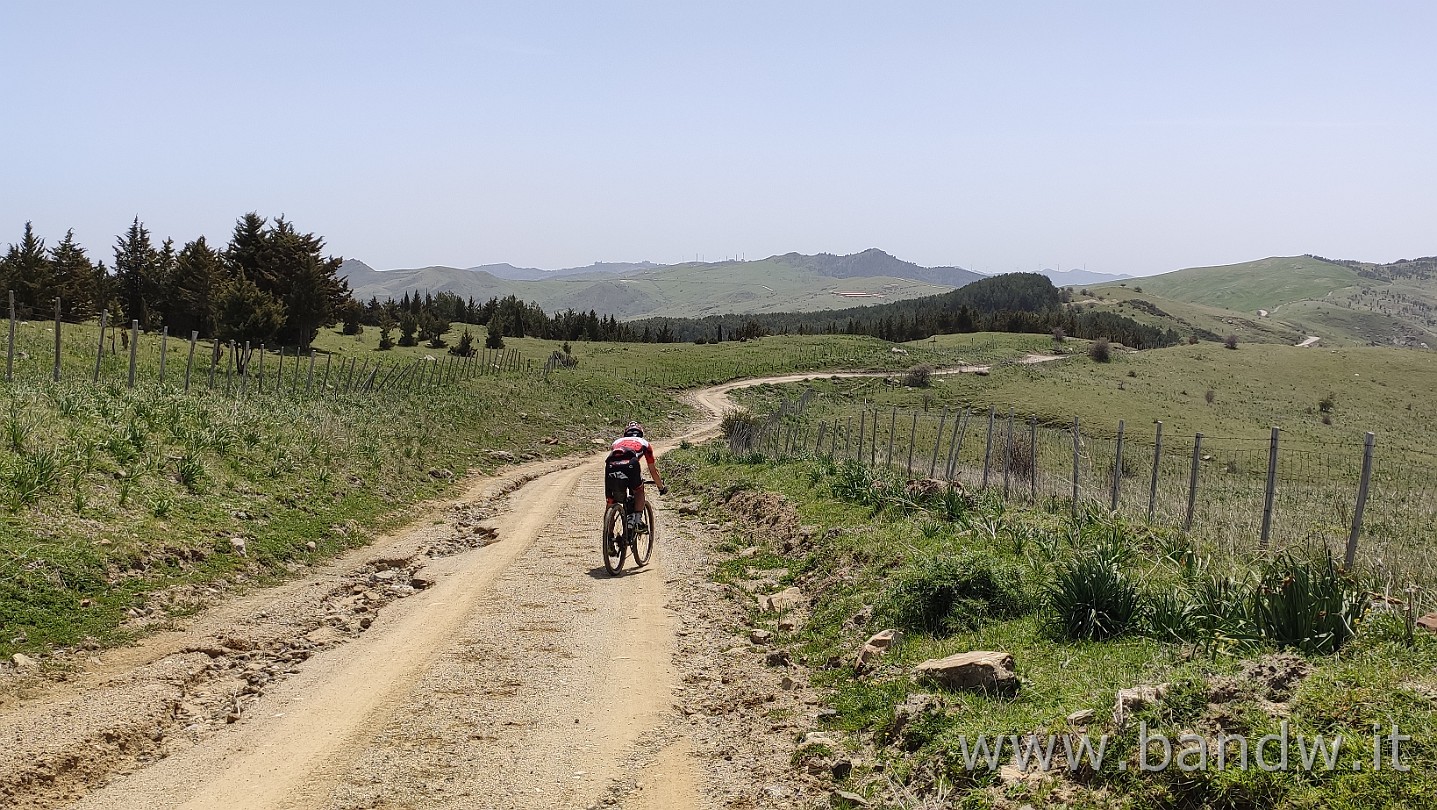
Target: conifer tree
27, 270
76, 278
135, 263
198, 284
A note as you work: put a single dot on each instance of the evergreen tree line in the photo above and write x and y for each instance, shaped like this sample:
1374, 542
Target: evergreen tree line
270, 284
1016, 302
504, 317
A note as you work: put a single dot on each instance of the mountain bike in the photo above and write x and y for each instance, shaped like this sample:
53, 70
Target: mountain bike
620, 538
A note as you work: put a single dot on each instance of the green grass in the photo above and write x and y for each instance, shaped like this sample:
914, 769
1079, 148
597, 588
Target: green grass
850, 562
1250, 286
1253, 388
111, 495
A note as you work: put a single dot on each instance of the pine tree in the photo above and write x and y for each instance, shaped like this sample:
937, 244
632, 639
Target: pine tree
135, 263
76, 278
247, 313
465, 346
28, 271
198, 284
495, 339
408, 325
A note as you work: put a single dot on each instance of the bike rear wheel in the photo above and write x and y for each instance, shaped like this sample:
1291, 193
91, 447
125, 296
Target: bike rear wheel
615, 544
644, 542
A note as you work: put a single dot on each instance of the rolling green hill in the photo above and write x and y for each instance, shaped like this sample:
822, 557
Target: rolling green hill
1250, 286
1282, 299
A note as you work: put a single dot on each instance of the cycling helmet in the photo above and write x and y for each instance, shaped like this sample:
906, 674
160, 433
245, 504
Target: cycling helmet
634, 429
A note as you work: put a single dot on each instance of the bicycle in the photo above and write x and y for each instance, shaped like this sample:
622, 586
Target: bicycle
620, 537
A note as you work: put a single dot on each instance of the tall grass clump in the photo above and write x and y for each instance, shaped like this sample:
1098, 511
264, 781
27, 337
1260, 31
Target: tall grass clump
943, 594
1307, 603
1091, 598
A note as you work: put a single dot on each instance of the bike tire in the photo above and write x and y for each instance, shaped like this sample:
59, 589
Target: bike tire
614, 546
644, 543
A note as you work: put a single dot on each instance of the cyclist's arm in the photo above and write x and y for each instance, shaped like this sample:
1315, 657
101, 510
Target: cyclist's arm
654, 471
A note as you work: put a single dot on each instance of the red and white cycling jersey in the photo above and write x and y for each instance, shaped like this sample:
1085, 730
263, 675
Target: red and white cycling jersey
640, 447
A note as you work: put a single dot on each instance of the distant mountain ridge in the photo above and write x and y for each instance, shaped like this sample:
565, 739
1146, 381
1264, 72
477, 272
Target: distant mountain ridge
787, 282
875, 262
1072, 278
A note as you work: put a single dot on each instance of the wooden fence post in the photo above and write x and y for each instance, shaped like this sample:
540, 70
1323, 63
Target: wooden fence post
892, 425
1077, 460
1033, 459
955, 445
214, 360
847, 436
912, 435
309, 378
1271, 491
1118, 468
244, 370
988, 450
1008, 456
1157, 460
873, 442
100, 355
10, 347
164, 352
938, 443
1368, 445
1193, 483
190, 362
229, 352
134, 349
57, 340
259, 371
862, 432
324, 386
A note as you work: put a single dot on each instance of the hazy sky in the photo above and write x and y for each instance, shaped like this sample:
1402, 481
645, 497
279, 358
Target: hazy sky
1132, 137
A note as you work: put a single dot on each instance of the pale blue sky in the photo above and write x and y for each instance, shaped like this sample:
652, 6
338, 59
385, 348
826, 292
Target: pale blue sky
1132, 137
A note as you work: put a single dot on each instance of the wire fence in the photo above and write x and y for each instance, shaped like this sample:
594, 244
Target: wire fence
1235, 495
108, 352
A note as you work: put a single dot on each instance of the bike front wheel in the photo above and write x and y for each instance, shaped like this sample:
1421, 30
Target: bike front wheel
644, 542
615, 545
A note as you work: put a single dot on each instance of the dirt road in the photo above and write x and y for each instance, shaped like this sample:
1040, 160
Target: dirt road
479, 658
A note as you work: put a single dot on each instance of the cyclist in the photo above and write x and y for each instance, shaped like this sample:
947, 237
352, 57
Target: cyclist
621, 471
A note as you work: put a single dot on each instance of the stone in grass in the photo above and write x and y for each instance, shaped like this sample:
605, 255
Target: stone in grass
1081, 717
786, 599
23, 661
1135, 698
1428, 622
979, 670
759, 636
876, 647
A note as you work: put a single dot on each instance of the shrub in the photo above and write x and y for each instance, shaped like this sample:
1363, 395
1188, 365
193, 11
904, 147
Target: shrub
741, 430
1091, 598
1192, 340
1230, 342
1210, 397
1018, 459
943, 595
1059, 335
918, 377
1101, 351
465, 346
1307, 603
1328, 403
